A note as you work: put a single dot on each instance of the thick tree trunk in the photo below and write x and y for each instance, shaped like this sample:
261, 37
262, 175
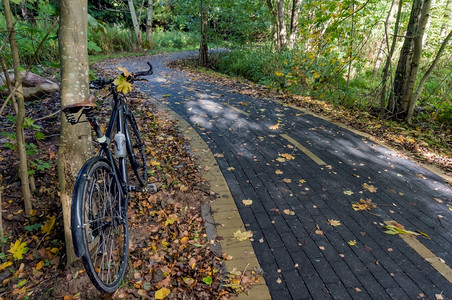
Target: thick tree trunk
383, 45
203, 48
136, 26
294, 22
75, 140
150, 12
389, 59
425, 77
20, 117
408, 60
282, 25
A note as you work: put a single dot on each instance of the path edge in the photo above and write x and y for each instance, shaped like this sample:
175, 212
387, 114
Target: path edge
221, 217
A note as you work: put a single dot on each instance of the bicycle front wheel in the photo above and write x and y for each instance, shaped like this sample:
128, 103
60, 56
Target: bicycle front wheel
136, 150
104, 223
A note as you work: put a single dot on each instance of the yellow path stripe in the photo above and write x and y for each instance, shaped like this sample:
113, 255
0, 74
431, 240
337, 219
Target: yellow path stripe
237, 109
311, 155
437, 263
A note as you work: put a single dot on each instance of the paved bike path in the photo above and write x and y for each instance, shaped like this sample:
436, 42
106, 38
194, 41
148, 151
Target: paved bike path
302, 173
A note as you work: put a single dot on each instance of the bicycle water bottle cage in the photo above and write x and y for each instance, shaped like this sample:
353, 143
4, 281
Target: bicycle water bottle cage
71, 110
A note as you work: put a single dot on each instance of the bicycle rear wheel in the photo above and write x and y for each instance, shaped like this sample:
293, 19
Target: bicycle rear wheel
136, 150
104, 223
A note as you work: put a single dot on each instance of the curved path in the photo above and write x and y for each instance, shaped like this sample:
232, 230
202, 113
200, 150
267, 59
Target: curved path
303, 174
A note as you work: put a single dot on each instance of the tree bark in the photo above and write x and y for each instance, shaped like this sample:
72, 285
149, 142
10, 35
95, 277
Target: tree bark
150, 14
383, 45
203, 48
282, 25
417, 51
136, 26
20, 117
389, 59
408, 60
294, 22
426, 75
75, 140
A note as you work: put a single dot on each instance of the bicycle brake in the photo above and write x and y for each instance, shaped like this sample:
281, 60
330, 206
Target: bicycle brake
151, 188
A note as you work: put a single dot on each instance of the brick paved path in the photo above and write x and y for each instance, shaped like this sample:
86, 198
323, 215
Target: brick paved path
302, 254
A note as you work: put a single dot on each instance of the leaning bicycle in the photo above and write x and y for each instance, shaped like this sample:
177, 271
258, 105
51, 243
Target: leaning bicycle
99, 221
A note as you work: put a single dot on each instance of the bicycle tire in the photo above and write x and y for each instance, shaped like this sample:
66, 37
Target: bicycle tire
105, 233
136, 150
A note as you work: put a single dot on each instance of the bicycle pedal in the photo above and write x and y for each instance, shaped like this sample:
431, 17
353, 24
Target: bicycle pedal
151, 188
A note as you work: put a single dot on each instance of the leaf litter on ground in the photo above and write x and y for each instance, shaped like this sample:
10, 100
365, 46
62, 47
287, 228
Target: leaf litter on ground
169, 249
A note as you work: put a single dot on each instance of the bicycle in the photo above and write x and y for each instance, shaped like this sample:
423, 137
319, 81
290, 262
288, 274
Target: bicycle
99, 222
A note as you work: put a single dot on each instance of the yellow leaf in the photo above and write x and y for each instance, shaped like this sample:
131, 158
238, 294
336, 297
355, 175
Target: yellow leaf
289, 212
155, 163
18, 249
348, 193
171, 219
122, 85
247, 202
352, 243
279, 172
5, 265
287, 180
48, 225
281, 160
162, 293
370, 188
279, 74
242, 236
40, 265
33, 212
334, 222
274, 127
287, 156
124, 70
302, 181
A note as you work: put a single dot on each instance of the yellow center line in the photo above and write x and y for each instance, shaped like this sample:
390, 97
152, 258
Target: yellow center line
311, 155
437, 263
237, 109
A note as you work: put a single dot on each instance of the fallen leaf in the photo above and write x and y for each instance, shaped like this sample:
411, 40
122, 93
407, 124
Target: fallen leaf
218, 155
231, 169
363, 205
321, 248
287, 156
281, 159
278, 281
287, 180
247, 202
48, 225
352, 242
334, 223
370, 188
279, 172
274, 127
18, 249
302, 181
289, 212
242, 236
319, 232
349, 193
162, 293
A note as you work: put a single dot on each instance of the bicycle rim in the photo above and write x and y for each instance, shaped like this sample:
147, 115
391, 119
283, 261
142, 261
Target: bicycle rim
136, 151
105, 225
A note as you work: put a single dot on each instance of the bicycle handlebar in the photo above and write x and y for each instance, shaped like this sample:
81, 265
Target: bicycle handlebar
100, 83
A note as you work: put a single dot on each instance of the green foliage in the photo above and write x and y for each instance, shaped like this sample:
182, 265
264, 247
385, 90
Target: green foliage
33, 227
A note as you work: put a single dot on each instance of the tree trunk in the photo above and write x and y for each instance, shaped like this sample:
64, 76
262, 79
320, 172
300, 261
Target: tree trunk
425, 77
203, 48
409, 59
389, 59
75, 140
149, 23
383, 45
282, 25
20, 137
294, 22
417, 51
350, 50
274, 26
136, 26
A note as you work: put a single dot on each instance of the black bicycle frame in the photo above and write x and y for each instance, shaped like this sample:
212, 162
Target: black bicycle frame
117, 115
